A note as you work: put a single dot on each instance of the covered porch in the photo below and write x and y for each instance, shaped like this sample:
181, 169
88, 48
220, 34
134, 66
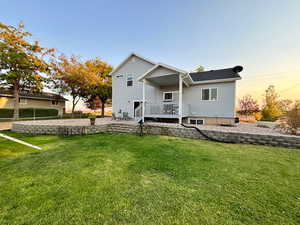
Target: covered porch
162, 93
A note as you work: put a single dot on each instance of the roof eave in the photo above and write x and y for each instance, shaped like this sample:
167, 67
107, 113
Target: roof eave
39, 98
216, 81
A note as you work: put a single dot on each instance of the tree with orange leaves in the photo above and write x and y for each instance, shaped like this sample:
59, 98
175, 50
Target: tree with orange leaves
75, 77
101, 90
21, 62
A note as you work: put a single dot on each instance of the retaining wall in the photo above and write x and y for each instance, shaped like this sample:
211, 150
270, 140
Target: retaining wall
273, 140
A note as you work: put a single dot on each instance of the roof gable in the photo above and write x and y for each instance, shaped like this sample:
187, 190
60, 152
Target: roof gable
128, 58
161, 68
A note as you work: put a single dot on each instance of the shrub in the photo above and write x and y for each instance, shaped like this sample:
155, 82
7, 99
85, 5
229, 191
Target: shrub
25, 113
6, 113
29, 112
292, 124
271, 110
46, 112
248, 106
258, 115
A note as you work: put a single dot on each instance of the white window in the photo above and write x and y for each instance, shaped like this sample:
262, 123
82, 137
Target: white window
129, 81
23, 101
53, 102
168, 96
209, 94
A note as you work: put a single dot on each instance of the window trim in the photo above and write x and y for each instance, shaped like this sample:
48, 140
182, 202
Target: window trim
127, 77
168, 100
210, 100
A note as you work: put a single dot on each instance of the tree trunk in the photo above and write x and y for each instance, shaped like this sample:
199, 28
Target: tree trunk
102, 108
16, 103
74, 103
73, 109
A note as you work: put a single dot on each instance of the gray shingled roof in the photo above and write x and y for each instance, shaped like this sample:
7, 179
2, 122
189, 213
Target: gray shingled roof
41, 95
217, 74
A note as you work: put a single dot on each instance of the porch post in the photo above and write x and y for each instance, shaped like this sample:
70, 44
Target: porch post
180, 99
144, 98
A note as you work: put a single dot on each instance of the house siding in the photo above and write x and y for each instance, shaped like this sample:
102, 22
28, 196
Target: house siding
224, 106
123, 96
8, 103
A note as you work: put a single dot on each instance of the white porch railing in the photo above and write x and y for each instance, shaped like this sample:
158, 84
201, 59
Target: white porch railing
161, 108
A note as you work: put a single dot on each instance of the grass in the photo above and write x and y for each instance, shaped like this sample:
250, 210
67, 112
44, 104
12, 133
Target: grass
127, 179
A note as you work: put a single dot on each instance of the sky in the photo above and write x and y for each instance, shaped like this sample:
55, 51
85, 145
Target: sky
261, 36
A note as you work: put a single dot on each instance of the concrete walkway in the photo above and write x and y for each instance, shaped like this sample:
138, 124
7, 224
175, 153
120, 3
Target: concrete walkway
5, 125
20, 141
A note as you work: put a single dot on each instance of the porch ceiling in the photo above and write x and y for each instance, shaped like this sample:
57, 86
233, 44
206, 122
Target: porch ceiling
167, 80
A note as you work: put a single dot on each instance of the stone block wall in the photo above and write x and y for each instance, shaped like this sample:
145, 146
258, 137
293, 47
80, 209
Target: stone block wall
245, 138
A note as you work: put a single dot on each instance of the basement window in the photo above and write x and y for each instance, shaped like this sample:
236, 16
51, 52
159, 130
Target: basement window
200, 122
196, 121
192, 121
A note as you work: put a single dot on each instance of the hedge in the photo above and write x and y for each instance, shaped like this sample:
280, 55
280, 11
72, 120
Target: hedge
28, 112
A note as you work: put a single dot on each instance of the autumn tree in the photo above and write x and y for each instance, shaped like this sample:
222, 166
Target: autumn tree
22, 62
71, 76
271, 108
292, 123
101, 90
293, 118
248, 106
285, 105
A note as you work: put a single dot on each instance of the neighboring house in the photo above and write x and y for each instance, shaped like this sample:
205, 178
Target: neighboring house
33, 100
143, 88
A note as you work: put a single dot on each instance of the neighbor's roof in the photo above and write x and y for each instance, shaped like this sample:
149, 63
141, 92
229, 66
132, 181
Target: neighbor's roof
41, 95
222, 74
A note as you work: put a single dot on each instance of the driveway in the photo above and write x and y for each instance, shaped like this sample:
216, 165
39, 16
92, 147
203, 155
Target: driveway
5, 125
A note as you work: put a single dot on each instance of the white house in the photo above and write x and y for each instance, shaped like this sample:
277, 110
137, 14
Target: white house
149, 90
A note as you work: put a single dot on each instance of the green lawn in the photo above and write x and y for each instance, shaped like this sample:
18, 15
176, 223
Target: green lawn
127, 179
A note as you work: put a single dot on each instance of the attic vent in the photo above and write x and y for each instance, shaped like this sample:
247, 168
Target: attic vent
133, 59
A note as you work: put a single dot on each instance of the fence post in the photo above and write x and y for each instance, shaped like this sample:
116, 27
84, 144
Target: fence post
33, 113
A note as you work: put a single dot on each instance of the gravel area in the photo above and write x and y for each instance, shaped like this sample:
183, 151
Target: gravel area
249, 128
239, 128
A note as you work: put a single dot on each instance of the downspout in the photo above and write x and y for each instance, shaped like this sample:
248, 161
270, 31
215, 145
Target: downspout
180, 98
144, 98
